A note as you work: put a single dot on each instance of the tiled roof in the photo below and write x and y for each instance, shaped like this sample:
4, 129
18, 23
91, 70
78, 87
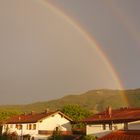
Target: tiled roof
32, 117
115, 116
122, 135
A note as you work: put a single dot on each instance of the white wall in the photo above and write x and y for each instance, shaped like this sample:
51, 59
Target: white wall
54, 121
134, 125
23, 131
97, 130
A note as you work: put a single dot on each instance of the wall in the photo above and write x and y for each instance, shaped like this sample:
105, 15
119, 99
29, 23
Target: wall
97, 130
23, 131
134, 125
54, 121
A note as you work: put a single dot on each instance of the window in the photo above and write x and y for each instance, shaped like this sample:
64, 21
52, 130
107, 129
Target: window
11, 125
27, 127
104, 127
30, 126
115, 128
19, 126
126, 126
56, 129
6, 126
34, 126
110, 126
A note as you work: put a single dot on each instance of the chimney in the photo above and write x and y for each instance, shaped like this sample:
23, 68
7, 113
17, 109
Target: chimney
46, 110
109, 111
32, 112
19, 118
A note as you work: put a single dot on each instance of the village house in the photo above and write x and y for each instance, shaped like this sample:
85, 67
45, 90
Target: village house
101, 124
38, 126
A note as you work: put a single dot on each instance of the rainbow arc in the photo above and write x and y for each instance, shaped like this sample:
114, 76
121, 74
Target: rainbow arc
92, 41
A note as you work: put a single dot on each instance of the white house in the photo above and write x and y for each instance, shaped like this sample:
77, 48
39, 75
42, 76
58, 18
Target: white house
38, 125
110, 120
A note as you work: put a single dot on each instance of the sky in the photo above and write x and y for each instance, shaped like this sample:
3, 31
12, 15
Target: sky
53, 48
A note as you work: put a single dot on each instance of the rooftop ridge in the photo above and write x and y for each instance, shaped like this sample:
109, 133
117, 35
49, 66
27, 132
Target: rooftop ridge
116, 115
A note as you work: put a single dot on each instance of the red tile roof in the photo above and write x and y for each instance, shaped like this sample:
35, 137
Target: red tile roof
115, 116
32, 117
122, 135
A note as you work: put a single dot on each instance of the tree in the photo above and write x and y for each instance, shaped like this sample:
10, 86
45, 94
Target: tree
75, 112
6, 114
56, 135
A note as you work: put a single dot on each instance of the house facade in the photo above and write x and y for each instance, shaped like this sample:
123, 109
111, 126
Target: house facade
38, 125
110, 120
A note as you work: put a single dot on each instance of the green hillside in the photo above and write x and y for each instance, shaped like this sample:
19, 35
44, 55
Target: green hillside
95, 100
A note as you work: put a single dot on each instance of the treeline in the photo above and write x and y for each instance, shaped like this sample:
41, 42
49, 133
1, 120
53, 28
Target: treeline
7, 113
75, 112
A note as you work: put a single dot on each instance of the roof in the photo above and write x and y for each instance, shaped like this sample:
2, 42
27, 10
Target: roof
33, 117
122, 135
115, 116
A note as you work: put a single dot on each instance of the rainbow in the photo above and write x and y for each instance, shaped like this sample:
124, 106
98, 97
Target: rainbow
92, 41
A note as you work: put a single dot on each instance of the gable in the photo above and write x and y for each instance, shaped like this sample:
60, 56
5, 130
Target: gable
54, 114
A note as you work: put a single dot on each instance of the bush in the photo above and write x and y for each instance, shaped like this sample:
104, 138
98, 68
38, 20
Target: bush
56, 137
4, 137
89, 137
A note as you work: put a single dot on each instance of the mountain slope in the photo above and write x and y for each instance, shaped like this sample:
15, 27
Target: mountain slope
95, 100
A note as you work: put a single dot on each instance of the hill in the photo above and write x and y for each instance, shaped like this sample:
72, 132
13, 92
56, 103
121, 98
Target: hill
95, 100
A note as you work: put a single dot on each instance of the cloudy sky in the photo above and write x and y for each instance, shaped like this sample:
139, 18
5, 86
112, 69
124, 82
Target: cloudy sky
45, 51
